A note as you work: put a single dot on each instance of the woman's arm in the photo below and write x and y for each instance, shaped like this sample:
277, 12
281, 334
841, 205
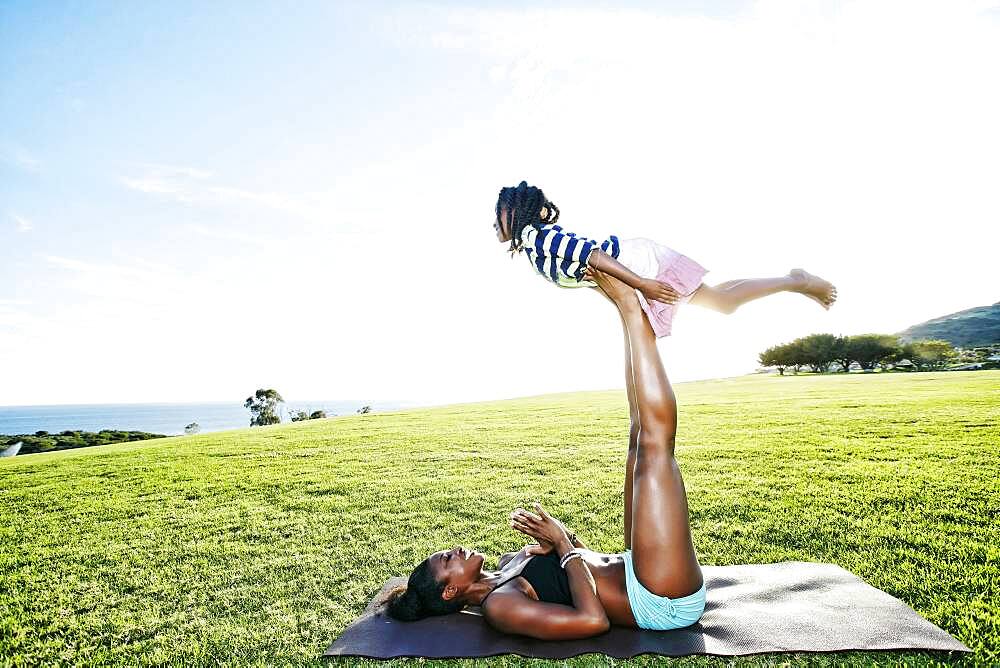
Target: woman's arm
515, 613
652, 289
573, 538
582, 587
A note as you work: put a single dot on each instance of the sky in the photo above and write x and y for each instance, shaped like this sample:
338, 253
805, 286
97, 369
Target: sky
201, 199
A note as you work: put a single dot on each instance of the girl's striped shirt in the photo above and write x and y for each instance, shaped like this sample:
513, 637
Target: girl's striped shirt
561, 257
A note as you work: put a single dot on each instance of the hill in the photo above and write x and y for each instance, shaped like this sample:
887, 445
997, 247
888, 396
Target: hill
972, 327
258, 546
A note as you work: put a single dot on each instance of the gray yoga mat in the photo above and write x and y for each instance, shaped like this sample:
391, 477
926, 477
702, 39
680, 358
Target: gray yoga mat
791, 606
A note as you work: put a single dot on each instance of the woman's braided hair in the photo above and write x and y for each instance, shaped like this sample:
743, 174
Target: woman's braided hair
524, 204
420, 597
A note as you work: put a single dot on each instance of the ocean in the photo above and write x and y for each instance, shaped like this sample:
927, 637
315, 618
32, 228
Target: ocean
169, 419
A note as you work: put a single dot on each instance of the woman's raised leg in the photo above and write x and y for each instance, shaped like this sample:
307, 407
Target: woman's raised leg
662, 552
633, 429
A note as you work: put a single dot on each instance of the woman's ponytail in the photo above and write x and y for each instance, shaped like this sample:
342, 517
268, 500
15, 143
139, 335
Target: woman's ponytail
420, 597
403, 605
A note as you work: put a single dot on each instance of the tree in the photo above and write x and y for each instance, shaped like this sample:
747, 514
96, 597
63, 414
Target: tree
931, 354
771, 357
782, 356
796, 355
869, 349
842, 353
263, 405
315, 415
895, 354
818, 351
192, 428
364, 410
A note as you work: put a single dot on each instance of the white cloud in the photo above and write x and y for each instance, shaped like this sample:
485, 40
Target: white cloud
20, 158
190, 185
23, 224
230, 235
182, 184
279, 201
161, 169
125, 286
156, 185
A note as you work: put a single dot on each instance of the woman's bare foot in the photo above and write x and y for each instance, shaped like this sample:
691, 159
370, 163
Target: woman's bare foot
815, 288
619, 292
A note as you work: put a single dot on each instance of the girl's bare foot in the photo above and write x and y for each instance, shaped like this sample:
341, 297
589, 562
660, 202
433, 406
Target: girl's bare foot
815, 288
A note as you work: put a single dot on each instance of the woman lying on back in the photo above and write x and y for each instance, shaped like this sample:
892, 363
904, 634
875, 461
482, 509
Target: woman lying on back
558, 589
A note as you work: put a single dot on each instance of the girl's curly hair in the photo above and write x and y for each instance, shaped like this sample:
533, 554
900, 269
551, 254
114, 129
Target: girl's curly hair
524, 204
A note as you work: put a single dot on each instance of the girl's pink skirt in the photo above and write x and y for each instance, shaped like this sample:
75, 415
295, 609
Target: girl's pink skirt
652, 260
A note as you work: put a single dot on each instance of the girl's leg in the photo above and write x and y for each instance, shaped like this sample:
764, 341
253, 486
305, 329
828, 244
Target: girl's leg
729, 296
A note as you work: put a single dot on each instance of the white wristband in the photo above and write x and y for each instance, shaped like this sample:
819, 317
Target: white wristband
568, 557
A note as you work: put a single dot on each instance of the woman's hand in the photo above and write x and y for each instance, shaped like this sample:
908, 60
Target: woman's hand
538, 548
548, 531
658, 291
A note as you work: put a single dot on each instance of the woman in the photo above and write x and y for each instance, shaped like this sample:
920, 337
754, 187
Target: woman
558, 589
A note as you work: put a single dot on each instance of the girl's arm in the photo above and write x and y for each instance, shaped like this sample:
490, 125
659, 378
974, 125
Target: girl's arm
651, 289
553, 241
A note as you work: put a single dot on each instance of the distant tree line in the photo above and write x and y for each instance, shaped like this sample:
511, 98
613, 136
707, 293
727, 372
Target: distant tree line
43, 441
826, 352
265, 409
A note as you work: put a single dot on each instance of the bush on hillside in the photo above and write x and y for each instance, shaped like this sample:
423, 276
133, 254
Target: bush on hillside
67, 440
298, 416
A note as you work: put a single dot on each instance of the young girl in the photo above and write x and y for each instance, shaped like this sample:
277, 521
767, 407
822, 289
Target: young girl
661, 277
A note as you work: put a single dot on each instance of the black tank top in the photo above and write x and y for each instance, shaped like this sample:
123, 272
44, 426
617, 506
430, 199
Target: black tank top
546, 577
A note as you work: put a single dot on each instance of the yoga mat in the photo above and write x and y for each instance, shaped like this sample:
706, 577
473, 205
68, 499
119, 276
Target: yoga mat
791, 606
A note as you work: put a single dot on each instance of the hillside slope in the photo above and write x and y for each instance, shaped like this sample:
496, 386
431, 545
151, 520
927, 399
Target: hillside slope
972, 327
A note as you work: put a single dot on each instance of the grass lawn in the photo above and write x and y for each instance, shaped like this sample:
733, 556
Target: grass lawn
258, 546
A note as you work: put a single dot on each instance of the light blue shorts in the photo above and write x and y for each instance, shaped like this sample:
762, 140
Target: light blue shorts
660, 613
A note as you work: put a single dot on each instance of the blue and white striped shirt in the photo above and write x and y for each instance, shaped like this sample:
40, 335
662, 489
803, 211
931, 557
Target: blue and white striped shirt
561, 257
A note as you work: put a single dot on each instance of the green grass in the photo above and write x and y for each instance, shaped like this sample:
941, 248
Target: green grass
258, 546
